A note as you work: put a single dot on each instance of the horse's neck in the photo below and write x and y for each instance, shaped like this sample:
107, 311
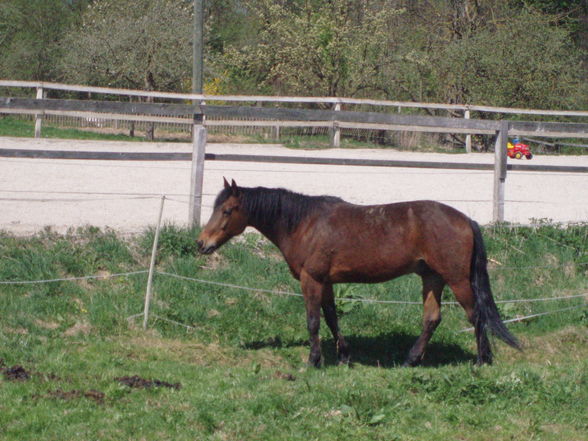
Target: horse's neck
278, 220
273, 231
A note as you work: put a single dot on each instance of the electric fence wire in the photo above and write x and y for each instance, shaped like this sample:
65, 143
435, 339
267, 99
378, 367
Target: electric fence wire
72, 279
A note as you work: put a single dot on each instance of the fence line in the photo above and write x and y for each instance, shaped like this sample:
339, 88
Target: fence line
279, 159
75, 200
44, 200
70, 279
283, 99
100, 193
518, 319
514, 320
526, 317
359, 300
293, 294
173, 322
279, 292
230, 285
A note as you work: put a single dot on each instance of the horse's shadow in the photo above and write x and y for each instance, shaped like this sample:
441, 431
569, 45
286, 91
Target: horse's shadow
384, 350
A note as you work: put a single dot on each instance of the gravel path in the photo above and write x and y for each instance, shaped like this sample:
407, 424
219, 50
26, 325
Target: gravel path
125, 195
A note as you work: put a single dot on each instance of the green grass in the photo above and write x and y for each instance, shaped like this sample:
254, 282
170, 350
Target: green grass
26, 129
241, 364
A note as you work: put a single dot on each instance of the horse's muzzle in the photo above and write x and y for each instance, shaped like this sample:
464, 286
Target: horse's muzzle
206, 248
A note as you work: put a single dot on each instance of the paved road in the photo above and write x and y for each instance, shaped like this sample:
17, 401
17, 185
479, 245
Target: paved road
35, 193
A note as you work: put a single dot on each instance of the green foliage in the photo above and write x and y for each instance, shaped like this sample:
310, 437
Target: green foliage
173, 241
500, 52
495, 53
523, 62
347, 298
141, 44
30, 31
311, 48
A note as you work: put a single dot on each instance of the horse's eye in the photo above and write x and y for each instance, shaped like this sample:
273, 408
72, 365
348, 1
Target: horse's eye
227, 211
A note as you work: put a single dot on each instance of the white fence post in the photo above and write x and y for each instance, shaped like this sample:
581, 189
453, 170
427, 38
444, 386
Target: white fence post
152, 266
500, 172
38, 116
336, 130
197, 177
468, 140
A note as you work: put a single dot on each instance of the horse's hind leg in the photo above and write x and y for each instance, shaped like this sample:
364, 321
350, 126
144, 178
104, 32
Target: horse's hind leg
432, 288
330, 313
465, 296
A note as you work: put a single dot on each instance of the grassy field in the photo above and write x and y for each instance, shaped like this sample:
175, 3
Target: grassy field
22, 128
75, 367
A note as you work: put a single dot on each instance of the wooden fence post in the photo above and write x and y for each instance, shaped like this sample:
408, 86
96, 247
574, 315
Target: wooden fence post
336, 130
276, 133
468, 140
197, 177
500, 171
38, 116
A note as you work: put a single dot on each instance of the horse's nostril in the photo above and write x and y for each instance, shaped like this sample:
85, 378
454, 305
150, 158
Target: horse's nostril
199, 243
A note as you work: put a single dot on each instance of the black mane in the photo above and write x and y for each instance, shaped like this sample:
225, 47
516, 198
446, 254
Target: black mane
267, 206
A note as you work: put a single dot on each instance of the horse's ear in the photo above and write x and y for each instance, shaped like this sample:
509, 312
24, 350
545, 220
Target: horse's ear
234, 188
226, 182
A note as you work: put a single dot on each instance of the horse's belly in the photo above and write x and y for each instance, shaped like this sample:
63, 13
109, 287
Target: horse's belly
370, 270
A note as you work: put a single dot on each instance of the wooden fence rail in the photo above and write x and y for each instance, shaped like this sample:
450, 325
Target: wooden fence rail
285, 117
335, 103
285, 99
305, 160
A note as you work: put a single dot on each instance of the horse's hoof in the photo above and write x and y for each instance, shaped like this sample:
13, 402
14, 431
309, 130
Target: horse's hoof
315, 362
344, 362
483, 362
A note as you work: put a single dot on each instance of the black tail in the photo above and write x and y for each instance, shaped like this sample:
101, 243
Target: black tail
486, 312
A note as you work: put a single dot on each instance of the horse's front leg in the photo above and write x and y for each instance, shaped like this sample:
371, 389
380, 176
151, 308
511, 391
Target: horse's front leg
330, 312
312, 291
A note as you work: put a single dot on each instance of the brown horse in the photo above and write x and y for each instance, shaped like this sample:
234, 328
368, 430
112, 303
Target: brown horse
326, 240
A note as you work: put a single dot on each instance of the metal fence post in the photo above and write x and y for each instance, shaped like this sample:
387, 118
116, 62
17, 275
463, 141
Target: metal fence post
197, 176
39, 116
500, 171
148, 292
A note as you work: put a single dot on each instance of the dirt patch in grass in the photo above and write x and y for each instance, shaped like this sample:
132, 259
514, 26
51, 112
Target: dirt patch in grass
20, 373
137, 382
80, 328
94, 395
284, 376
16, 373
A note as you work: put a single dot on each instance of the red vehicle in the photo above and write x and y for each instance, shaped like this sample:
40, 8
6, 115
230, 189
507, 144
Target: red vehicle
517, 150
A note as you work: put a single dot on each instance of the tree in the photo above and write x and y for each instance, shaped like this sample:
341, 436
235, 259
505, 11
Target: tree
143, 44
30, 31
502, 66
470, 52
496, 52
318, 48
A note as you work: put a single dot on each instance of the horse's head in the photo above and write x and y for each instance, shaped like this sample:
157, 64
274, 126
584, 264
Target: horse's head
227, 220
